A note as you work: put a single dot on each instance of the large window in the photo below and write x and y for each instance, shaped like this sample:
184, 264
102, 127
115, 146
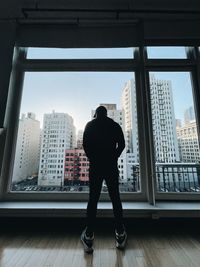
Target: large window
54, 110
152, 92
176, 142
59, 91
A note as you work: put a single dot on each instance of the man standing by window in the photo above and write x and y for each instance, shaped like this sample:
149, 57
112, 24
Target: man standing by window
103, 142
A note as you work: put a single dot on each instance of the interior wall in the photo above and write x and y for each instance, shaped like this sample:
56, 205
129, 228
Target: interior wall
8, 36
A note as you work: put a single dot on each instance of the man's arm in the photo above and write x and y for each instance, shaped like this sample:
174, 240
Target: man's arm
120, 142
86, 141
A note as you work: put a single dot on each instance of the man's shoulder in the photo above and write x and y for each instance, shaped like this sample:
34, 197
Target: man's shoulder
90, 123
114, 123
107, 120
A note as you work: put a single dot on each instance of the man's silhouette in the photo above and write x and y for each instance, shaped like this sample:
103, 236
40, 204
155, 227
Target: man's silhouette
103, 142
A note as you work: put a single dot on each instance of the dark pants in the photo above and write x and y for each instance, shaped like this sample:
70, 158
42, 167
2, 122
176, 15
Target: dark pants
95, 185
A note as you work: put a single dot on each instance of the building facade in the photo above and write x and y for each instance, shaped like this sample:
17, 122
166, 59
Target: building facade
188, 143
76, 167
163, 120
58, 135
27, 149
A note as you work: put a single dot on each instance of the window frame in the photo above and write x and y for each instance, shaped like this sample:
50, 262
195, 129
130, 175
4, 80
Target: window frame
192, 65
141, 66
21, 65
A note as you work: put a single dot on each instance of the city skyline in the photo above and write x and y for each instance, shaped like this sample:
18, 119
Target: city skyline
57, 139
79, 93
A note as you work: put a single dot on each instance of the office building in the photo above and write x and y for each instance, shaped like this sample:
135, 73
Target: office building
27, 153
189, 115
188, 143
57, 136
163, 120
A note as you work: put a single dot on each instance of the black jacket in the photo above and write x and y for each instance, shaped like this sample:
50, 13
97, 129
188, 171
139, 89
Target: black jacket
103, 142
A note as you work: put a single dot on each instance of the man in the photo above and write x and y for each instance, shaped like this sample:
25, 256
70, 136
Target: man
103, 142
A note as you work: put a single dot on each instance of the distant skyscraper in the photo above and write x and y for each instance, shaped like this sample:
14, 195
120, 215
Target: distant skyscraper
118, 116
189, 115
58, 135
80, 139
178, 123
163, 120
27, 149
188, 143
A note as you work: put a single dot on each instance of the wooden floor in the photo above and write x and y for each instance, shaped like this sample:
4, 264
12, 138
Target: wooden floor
150, 245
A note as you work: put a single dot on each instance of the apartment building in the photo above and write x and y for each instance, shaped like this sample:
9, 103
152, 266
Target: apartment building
28, 148
57, 136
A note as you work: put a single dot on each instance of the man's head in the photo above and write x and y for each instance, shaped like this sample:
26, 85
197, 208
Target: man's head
100, 112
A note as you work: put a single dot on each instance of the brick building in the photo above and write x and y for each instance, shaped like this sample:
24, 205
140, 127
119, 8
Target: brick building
76, 167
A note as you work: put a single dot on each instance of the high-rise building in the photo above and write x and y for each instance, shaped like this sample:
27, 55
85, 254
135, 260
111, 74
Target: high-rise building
189, 115
163, 120
178, 123
118, 116
57, 136
188, 143
128, 101
80, 139
130, 110
28, 148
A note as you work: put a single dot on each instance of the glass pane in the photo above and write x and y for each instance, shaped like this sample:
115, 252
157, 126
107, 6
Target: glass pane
166, 52
176, 143
54, 111
80, 53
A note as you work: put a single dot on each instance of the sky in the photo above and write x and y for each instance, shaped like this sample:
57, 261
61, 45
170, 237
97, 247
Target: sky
71, 92
77, 93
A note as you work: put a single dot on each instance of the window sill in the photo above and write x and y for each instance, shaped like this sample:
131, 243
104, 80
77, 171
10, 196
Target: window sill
78, 209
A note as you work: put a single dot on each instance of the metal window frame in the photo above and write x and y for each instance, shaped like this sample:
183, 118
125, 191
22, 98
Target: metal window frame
192, 66
20, 66
141, 66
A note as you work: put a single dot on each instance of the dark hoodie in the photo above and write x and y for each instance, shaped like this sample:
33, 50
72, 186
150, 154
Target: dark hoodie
103, 142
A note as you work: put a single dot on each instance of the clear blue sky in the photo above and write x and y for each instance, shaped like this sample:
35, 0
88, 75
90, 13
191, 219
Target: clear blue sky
77, 93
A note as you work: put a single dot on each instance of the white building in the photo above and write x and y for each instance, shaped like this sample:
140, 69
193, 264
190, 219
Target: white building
118, 116
131, 129
27, 149
163, 120
58, 135
128, 101
188, 143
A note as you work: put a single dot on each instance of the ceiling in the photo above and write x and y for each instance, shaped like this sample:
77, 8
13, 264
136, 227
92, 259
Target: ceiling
33, 9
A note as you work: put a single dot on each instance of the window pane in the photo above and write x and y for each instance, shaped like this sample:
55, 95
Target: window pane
54, 111
166, 52
80, 53
176, 143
